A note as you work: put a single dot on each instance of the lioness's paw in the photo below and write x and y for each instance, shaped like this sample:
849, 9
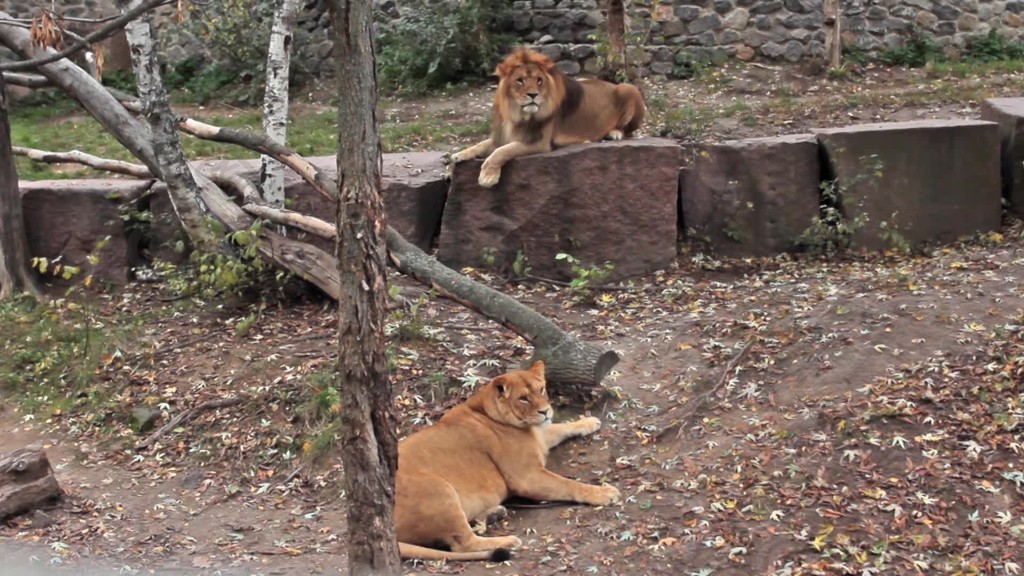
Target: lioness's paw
604, 495
509, 542
489, 175
615, 135
588, 425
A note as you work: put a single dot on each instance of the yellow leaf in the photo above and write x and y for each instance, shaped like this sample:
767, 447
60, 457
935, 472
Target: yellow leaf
876, 492
684, 346
822, 537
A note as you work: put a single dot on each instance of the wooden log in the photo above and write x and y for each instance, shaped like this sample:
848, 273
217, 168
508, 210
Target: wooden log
26, 482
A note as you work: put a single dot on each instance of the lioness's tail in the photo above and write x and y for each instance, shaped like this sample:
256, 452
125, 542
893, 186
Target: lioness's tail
424, 553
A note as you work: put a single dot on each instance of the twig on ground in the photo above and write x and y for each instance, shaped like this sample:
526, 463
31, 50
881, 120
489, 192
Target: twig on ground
187, 415
701, 399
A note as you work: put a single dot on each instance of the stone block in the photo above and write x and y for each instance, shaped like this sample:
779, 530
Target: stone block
1009, 114
929, 180
71, 219
600, 202
752, 197
412, 184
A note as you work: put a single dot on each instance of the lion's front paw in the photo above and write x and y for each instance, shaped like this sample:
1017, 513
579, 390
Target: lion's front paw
615, 135
605, 495
510, 542
489, 175
588, 425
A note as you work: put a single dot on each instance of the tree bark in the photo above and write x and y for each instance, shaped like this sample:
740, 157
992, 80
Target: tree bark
368, 425
170, 164
833, 33
26, 482
275, 99
615, 66
15, 274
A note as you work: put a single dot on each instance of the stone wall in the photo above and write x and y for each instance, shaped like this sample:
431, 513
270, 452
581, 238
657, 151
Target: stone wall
667, 36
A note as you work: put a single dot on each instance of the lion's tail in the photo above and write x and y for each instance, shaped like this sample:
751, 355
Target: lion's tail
424, 553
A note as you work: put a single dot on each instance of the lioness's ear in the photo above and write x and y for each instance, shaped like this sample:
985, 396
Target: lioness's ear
501, 386
538, 368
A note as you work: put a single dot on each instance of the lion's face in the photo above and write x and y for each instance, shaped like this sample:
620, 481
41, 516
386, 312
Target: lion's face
520, 398
527, 86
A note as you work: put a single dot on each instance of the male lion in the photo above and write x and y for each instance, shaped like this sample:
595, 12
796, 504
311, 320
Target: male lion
538, 108
490, 447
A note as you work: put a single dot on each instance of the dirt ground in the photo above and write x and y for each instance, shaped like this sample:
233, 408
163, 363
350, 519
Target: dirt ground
785, 416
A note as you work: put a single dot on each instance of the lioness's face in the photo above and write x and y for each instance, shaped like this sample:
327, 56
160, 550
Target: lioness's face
522, 398
527, 86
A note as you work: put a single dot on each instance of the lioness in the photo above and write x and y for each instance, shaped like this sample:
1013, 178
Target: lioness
490, 447
538, 108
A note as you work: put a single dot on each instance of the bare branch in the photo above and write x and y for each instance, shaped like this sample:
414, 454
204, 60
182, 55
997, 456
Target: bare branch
79, 44
26, 80
77, 157
260, 143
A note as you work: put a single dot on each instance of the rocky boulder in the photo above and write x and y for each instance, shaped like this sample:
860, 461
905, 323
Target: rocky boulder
927, 180
751, 197
412, 184
1009, 114
601, 202
70, 220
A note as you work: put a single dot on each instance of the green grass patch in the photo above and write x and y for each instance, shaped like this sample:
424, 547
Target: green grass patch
311, 132
51, 353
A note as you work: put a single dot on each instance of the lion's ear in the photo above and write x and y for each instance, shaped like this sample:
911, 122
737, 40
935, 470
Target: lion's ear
501, 385
504, 69
538, 368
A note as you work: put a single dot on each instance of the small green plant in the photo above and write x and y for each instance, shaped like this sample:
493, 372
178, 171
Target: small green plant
856, 55
585, 279
238, 273
890, 233
521, 265
489, 256
438, 44
234, 34
320, 413
918, 49
992, 47
832, 231
407, 323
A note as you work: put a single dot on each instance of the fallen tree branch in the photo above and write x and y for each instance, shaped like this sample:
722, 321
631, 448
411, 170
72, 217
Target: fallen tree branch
701, 399
78, 157
26, 80
576, 368
26, 482
187, 415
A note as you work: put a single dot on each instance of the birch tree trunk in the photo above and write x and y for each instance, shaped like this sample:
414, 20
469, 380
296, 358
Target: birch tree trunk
275, 99
170, 164
15, 274
368, 428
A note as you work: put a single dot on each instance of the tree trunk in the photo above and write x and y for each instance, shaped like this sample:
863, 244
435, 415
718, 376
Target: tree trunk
833, 33
275, 100
615, 66
26, 482
171, 166
15, 274
368, 428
